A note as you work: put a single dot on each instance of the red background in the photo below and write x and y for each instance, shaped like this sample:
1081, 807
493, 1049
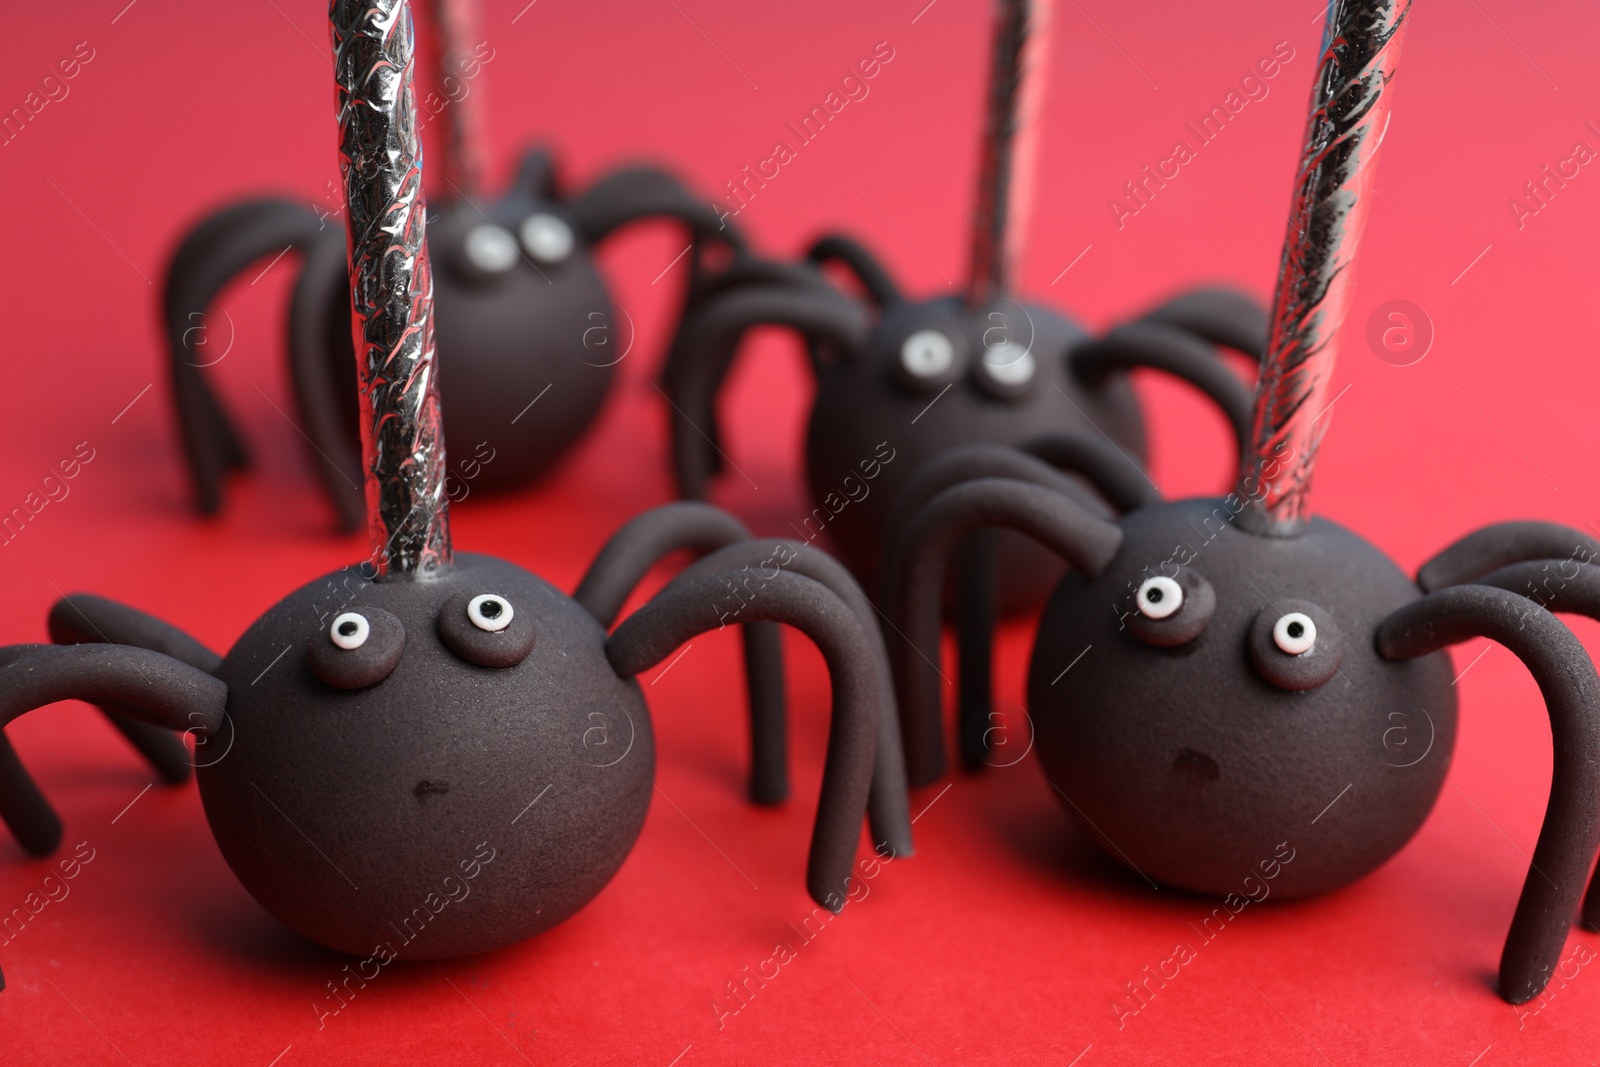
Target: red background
1006, 939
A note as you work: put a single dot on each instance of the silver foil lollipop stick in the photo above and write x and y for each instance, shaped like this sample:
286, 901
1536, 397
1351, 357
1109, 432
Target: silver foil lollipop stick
1349, 114
391, 284
1005, 166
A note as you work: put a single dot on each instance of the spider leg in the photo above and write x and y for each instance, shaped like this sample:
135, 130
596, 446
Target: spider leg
918, 562
1493, 547
977, 582
536, 174
888, 810
216, 250
708, 339
1571, 830
1160, 346
687, 607
83, 618
872, 275
1577, 593
159, 690
1220, 316
623, 562
322, 368
636, 193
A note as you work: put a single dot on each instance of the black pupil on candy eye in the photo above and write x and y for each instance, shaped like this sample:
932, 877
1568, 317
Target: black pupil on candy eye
490, 609
1153, 595
1296, 630
347, 628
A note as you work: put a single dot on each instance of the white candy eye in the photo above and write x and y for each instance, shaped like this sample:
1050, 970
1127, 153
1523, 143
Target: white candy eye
489, 612
547, 238
349, 630
1294, 633
1159, 597
491, 249
1009, 364
927, 354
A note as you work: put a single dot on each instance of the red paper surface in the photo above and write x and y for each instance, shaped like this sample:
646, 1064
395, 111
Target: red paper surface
1006, 939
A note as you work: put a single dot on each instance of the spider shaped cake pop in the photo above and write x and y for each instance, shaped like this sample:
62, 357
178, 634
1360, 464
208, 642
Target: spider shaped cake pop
449, 718
899, 379
1218, 679
523, 312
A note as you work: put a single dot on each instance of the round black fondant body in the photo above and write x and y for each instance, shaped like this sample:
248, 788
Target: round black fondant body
447, 810
539, 331
870, 431
1187, 763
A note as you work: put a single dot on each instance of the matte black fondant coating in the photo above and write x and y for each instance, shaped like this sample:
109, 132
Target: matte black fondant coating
622, 563
160, 691
1549, 587
712, 334
217, 249
1162, 347
1493, 547
871, 274
85, 618
976, 602
1083, 539
1224, 317
1571, 830
1113, 473
507, 336
636, 193
888, 808
689, 606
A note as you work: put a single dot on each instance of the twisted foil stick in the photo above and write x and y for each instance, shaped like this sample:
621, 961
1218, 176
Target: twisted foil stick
1010, 141
402, 443
455, 26
1349, 114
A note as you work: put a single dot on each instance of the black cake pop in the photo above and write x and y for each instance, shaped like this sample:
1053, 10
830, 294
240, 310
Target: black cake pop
1218, 680
522, 309
387, 732
906, 378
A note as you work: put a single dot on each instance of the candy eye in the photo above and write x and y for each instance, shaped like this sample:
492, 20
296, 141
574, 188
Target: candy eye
490, 249
1172, 611
1294, 633
490, 612
359, 648
349, 631
927, 354
1159, 597
483, 629
546, 238
1009, 365
1295, 644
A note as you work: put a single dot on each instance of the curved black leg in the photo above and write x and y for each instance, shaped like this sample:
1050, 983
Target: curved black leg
888, 809
1571, 831
623, 562
976, 612
703, 352
872, 275
918, 562
160, 691
1559, 586
536, 175
640, 192
1493, 547
83, 618
1178, 352
1220, 316
209, 257
687, 607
